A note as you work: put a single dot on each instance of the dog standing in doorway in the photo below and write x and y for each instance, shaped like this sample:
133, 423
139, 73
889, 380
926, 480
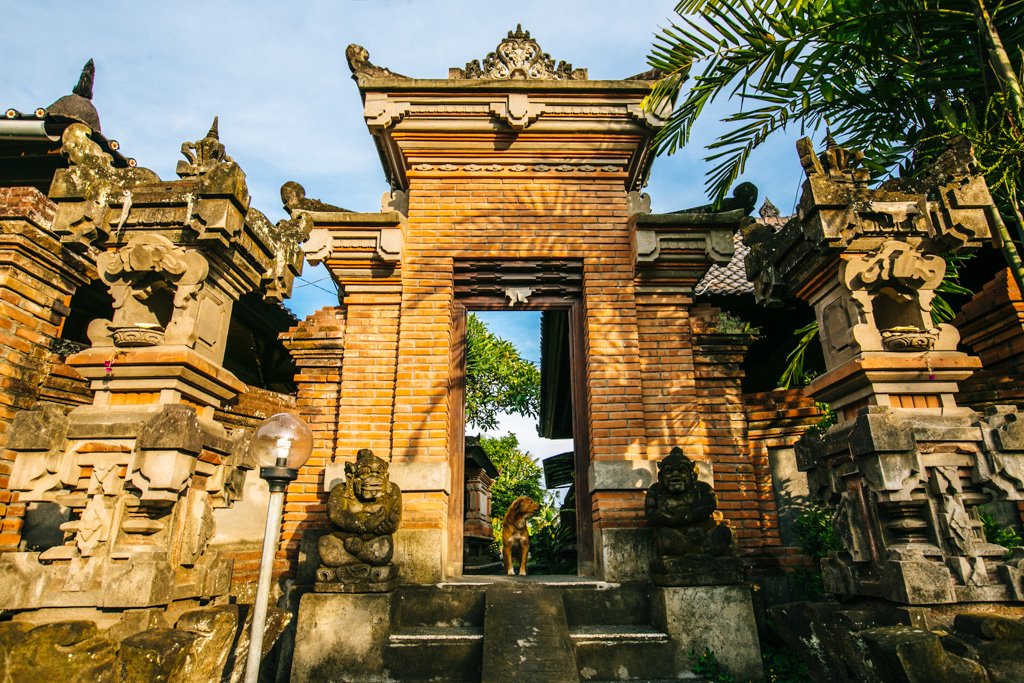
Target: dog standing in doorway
515, 537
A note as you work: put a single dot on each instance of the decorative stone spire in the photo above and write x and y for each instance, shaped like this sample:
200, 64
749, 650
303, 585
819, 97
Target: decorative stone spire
518, 57
203, 155
78, 104
768, 210
85, 81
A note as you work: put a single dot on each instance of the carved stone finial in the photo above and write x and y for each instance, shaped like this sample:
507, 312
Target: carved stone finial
203, 155
359, 62
85, 81
838, 163
768, 210
518, 57
293, 197
78, 105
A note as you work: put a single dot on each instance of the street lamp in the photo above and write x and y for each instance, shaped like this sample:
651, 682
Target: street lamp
282, 444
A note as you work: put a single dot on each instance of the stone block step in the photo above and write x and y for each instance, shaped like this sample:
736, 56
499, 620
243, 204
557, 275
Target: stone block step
616, 634
640, 655
446, 605
413, 635
426, 653
526, 638
607, 604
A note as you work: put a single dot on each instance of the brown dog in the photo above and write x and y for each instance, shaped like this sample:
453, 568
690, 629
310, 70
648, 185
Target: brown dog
515, 537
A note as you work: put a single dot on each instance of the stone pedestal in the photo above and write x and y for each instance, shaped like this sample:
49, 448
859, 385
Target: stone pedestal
357, 578
717, 618
341, 637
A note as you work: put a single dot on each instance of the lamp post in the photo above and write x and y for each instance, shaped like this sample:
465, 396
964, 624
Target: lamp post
282, 445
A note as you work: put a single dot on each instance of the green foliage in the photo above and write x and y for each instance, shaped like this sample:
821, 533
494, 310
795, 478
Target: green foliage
518, 474
828, 418
888, 77
1000, 534
706, 665
782, 665
816, 534
551, 544
793, 374
729, 323
942, 310
498, 379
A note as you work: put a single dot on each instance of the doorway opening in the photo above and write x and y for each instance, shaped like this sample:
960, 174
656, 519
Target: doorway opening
517, 440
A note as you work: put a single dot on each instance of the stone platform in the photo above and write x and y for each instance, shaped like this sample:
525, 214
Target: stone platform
481, 628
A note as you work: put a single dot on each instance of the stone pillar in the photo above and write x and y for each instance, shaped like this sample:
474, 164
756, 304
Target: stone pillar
37, 278
904, 468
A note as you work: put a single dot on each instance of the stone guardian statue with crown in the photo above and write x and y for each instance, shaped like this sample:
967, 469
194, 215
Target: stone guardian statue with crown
693, 545
365, 512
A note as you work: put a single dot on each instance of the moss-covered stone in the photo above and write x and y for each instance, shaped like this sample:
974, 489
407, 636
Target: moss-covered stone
157, 655
71, 651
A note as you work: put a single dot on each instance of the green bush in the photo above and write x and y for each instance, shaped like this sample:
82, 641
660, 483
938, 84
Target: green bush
782, 666
706, 665
1000, 534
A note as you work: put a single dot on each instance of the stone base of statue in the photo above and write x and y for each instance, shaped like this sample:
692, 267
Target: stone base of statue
357, 578
696, 570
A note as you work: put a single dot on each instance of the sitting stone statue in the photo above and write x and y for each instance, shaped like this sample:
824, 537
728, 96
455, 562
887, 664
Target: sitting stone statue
693, 547
355, 556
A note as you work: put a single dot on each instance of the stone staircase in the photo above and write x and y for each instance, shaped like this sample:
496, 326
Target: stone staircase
536, 630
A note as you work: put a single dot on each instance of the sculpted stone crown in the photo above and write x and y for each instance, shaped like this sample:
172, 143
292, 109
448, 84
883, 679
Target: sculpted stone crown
519, 57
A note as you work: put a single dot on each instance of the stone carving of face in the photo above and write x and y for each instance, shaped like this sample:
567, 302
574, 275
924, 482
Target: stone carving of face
677, 473
369, 476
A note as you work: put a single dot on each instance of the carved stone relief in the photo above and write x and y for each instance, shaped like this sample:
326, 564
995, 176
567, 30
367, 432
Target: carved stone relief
518, 57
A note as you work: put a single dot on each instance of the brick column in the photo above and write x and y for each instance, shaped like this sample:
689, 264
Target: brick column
37, 278
317, 346
368, 374
718, 364
618, 438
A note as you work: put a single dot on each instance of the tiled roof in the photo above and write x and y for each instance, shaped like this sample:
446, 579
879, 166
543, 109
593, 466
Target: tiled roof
732, 277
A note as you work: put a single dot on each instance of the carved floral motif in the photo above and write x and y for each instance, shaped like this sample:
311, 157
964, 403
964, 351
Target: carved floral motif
519, 57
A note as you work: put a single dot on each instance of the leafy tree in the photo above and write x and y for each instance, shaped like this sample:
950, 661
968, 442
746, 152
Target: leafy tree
897, 79
498, 379
518, 474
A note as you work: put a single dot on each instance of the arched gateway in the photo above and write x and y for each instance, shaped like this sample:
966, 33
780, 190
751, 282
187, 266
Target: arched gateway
515, 185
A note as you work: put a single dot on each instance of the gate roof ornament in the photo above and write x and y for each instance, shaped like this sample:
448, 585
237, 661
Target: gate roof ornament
518, 57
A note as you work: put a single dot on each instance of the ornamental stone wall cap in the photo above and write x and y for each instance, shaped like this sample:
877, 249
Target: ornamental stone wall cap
518, 57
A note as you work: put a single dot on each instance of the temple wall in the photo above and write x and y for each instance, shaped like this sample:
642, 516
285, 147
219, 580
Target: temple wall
992, 325
775, 421
38, 276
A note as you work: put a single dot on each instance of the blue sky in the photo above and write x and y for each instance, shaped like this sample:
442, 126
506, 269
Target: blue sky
275, 74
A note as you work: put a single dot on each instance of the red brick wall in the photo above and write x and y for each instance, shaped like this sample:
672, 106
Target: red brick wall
37, 279
775, 419
992, 326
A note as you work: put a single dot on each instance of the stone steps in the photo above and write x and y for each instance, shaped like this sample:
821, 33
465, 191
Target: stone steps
534, 631
436, 634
